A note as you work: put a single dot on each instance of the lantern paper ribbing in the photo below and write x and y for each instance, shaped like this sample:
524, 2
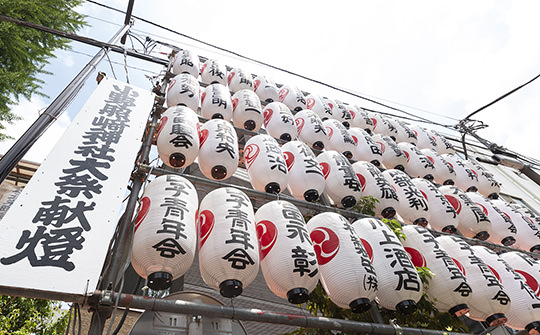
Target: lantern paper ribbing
218, 153
247, 110
527, 234
288, 260
185, 61
339, 138
279, 121
266, 89
444, 172
239, 79
228, 244
526, 266
400, 287
306, 179
214, 72
418, 165
366, 149
164, 242
292, 97
178, 136
489, 302
183, 90
265, 164
392, 156
216, 102
448, 288
524, 312
311, 129
346, 273
443, 215
319, 106
374, 184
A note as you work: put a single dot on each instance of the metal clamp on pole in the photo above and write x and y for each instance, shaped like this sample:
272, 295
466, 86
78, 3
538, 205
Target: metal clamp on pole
399, 330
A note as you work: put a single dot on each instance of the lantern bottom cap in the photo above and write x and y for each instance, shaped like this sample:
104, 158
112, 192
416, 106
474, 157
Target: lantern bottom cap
472, 189
230, 288
311, 195
459, 310
272, 187
217, 116
319, 145
450, 229
219, 172
346, 124
429, 177
286, 137
376, 162
399, 167
177, 160
493, 196
360, 305
448, 182
497, 319
508, 240
482, 236
298, 295
422, 222
535, 248
388, 212
158, 281
406, 306
348, 201
347, 154
533, 327
249, 125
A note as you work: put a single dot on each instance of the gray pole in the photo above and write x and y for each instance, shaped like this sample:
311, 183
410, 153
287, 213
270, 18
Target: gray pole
53, 111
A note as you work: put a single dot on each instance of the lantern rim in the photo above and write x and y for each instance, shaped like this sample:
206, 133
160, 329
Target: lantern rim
533, 327
298, 295
406, 306
360, 305
459, 310
230, 288
450, 229
508, 241
388, 212
497, 319
160, 280
311, 195
482, 236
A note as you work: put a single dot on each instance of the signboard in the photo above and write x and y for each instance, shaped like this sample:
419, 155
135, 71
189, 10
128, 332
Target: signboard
56, 234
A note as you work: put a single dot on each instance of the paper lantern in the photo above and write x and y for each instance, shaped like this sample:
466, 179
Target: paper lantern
339, 138
418, 165
527, 266
266, 88
444, 172
466, 178
265, 164
216, 102
382, 125
333, 106
443, 215
311, 129
362, 120
214, 72
473, 222
489, 301
392, 156
183, 90
342, 114
426, 140
400, 287
346, 273
527, 234
292, 97
527, 213
488, 186
247, 110
306, 179
164, 242
524, 312
185, 61
319, 106
178, 137
279, 121
218, 153
443, 145
228, 243
374, 184
448, 288
366, 148
413, 206
288, 260
404, 133
239, 79
503, 230
342, 185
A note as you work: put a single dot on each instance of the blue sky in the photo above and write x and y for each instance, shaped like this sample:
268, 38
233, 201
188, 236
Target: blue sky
439, 60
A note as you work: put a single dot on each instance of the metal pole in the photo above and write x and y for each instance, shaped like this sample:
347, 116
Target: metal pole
127, 19
55, 109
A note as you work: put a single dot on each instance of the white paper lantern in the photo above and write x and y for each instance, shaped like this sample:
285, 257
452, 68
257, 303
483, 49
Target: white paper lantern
218, 153
418, 165
319, 106
342, 114
413, 206
392, 156
443, 145
247, 110
426, 140
524, 312
216, 102
342, 185
288, 260
339, 138
488, 186
228, 243
362, 120
306, 179
382, 125
447, 288
374, 184
489, 301
473, 222
292, 97
178, 137
404, 133
444, 172
265, 164
527, 213
185, 61
183, 90
333, 106
346, 273
279, 121
527, 266
503, 230
400, 287
214, 72
443, 215
266, 88
527, 234
366, 149
466, 178
165, 238
240, 79
311, 129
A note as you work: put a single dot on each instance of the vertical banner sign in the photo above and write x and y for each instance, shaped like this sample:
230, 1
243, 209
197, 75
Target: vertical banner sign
55, 236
